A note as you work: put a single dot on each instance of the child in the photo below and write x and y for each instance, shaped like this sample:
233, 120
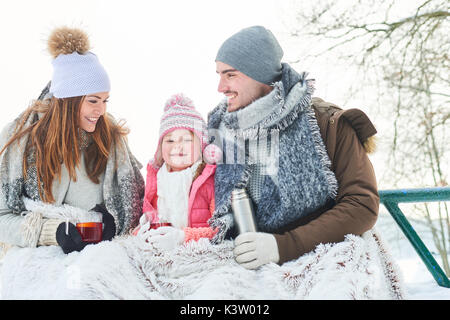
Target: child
180, 185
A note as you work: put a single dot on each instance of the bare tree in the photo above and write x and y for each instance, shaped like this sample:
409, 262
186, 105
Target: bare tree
402, 48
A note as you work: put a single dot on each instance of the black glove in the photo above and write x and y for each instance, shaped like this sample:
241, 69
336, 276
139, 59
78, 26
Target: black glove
109, 226
69, 242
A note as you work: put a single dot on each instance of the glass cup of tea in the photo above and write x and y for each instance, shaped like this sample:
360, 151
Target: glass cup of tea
159, 224
90, 231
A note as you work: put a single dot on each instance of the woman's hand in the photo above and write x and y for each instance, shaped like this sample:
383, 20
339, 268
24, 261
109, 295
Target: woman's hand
68, 238
109, 226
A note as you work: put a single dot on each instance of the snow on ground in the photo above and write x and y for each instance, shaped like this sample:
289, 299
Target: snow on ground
419, 283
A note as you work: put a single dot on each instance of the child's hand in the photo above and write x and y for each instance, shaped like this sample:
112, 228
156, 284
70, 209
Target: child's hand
166, 238
141, 229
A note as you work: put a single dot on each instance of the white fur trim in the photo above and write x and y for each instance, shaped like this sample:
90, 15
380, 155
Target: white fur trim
63, 212
130, 268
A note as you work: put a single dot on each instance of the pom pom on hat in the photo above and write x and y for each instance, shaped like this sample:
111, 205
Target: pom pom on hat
212, 154
178, 99
65, 40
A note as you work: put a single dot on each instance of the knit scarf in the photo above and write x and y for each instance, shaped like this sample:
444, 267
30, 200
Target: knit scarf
302, 181
173, 194
123, 189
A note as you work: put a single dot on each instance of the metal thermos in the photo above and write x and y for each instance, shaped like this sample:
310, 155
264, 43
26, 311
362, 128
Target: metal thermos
243, 211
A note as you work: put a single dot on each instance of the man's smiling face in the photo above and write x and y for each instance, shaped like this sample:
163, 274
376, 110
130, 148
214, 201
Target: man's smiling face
239, 89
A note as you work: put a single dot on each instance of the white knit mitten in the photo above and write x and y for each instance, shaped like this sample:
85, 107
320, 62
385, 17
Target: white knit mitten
166, 238
254, 249
48, 232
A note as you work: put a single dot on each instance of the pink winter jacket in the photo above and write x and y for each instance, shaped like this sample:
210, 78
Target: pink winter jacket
200, 203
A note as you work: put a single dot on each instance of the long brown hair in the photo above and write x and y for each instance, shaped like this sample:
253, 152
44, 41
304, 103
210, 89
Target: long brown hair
54, 139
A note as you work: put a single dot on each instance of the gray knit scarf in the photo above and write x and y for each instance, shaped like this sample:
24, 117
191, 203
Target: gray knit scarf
123, 189
302, 182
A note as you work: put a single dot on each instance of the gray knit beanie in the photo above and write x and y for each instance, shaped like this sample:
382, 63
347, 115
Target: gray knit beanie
255, 52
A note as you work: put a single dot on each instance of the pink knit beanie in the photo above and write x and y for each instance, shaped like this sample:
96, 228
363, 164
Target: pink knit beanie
180, 113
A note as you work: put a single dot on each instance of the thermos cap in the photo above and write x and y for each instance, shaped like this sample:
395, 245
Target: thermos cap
238, 194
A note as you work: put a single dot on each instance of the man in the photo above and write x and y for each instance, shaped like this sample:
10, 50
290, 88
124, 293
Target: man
303, 161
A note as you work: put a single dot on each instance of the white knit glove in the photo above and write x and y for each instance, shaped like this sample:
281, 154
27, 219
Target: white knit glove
254, 249
166, 238
143, 228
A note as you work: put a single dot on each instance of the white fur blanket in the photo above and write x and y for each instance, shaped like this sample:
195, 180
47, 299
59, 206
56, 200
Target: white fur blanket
130, 268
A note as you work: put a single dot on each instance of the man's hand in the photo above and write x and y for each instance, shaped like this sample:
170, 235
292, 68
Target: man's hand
254, 249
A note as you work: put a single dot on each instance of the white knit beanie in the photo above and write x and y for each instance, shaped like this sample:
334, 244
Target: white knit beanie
76, 71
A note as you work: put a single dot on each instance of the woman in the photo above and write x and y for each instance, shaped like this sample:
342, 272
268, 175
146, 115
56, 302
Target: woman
66, 151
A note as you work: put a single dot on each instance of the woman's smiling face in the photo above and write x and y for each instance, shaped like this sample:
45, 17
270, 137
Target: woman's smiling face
92, 108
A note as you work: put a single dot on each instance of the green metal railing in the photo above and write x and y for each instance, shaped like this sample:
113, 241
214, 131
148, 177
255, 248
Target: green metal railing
391, 198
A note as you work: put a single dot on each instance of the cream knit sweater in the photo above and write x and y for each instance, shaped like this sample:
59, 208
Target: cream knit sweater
82, 193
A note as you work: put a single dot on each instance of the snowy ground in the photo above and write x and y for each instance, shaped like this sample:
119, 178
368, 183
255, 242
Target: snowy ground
419, 283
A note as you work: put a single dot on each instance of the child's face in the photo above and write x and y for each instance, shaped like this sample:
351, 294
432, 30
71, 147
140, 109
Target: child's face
180, 149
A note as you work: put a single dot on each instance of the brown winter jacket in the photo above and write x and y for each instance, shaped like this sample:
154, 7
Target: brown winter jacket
348, 136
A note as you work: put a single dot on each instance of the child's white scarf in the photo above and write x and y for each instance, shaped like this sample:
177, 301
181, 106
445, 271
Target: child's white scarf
173, 194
